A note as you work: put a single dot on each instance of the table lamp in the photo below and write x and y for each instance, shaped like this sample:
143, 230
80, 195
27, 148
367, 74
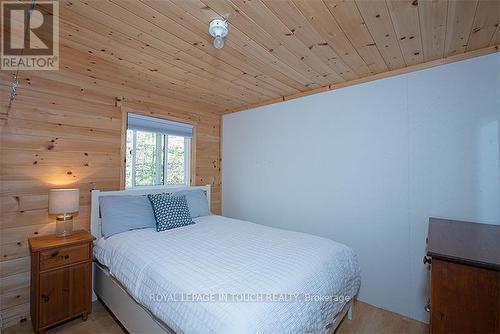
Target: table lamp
64, 203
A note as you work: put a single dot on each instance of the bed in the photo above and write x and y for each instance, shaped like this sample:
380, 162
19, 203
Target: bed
222, 275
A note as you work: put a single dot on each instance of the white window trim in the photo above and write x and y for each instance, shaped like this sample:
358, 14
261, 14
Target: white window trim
165, 159
158, 172
133, 165
187, 160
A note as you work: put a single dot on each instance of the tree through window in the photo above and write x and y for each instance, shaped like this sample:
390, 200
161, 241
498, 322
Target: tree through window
158, 152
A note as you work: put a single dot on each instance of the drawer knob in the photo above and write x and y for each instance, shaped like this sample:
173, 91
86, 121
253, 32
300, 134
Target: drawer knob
45, 298
66, 257
54, 254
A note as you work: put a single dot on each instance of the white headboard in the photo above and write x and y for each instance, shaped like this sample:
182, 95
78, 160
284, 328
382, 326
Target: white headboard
95, 219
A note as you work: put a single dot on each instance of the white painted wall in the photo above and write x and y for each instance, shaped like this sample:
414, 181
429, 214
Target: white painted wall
367, 165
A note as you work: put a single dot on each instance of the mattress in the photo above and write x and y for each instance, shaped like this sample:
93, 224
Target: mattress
222, 275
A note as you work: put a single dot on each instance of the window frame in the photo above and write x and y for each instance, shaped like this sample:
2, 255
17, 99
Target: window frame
189, 143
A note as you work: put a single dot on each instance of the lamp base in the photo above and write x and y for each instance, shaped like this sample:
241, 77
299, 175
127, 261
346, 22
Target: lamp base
64, 226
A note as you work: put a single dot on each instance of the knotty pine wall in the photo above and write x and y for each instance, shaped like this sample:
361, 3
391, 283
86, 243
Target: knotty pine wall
64, 130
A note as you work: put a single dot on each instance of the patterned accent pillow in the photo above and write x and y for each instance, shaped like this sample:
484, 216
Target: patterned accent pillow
170, 211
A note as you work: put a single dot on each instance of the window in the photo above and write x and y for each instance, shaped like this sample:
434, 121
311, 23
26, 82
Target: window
157, 152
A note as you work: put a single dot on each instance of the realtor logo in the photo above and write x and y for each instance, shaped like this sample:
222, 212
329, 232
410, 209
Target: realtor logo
30, 35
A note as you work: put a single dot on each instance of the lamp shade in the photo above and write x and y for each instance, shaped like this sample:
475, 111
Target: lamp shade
63, 201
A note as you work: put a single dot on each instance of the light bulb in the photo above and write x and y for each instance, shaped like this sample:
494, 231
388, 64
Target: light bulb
218, 42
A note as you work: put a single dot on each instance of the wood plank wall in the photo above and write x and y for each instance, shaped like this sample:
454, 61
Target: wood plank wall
64, 131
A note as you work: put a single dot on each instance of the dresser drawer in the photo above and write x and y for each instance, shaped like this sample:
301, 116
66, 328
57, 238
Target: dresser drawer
464, 299
62, 256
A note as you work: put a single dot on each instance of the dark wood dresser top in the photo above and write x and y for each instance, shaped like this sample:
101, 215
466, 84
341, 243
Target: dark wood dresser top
464, 242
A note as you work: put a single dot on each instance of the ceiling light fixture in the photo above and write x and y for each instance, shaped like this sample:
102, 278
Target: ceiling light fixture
218, 29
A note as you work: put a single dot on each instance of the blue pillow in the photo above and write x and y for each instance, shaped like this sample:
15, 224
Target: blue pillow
170, 211
197, 202
124, 213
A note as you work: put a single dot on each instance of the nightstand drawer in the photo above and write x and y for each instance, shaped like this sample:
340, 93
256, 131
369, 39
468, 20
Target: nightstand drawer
62, 256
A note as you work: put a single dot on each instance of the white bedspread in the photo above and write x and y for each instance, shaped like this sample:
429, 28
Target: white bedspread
277, 272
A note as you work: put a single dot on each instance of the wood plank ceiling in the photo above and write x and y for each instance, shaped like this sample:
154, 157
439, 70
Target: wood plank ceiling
275, 48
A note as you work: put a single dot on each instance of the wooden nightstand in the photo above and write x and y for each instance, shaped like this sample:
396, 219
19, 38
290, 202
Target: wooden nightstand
61, 278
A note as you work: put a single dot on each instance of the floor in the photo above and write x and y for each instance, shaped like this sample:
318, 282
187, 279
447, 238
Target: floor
371, 319
367, 319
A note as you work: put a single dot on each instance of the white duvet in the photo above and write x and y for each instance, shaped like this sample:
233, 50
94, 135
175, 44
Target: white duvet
222, 275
